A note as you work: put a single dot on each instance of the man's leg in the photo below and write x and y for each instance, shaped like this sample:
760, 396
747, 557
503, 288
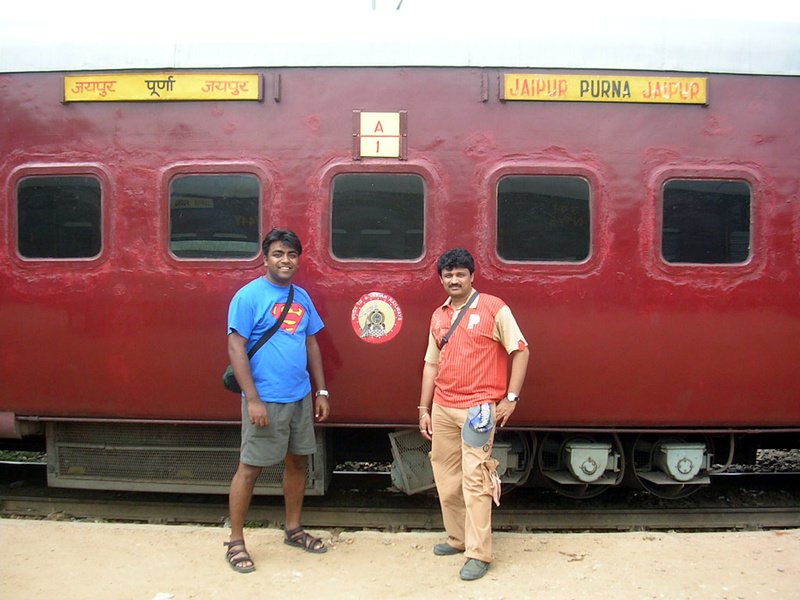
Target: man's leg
239, 502
294, 488
446, 463
240, 496
478, 501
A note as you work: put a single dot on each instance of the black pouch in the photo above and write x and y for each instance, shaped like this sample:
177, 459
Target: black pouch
229, 381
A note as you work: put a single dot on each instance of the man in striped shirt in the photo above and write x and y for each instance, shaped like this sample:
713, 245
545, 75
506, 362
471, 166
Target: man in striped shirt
466, 388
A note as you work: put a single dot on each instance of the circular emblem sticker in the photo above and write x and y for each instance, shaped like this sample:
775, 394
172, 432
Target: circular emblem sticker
376, 318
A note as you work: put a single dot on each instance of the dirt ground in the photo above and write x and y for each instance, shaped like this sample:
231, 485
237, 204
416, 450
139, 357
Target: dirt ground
43, 560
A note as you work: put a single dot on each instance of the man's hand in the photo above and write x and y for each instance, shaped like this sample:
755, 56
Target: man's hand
503, 411
323, 408
426, 426
257, 411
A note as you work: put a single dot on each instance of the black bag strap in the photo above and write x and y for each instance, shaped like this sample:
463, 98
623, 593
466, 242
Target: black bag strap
271, 331
447, 336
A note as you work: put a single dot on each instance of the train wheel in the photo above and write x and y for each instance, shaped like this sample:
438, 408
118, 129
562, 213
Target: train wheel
670, 466
580, 466
515, 452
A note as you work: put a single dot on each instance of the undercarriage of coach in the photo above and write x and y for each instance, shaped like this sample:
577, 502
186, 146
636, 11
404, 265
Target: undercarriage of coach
585, 464
201, 458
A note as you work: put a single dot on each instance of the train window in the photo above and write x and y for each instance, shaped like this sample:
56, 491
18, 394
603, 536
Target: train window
706, 221
543, 218
378, 215
214, 216
59, 217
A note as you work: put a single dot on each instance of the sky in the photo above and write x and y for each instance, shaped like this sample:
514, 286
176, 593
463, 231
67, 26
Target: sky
306, 25
333, 14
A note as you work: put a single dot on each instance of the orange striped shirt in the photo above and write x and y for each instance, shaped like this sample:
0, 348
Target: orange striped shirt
473, 365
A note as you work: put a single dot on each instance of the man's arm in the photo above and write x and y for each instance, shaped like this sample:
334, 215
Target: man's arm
237, 352
429, 373
323, 407
519, 366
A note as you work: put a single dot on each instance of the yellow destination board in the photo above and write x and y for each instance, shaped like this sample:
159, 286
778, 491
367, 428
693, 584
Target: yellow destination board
160, 87
611, 88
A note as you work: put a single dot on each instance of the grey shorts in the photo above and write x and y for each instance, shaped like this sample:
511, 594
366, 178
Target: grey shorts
290, 430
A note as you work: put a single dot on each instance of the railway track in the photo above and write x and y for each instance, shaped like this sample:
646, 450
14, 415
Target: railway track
359, 501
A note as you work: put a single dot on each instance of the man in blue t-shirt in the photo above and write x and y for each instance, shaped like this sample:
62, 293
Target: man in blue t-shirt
277, 412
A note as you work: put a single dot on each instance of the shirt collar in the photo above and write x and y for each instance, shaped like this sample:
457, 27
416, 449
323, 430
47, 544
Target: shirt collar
474, 303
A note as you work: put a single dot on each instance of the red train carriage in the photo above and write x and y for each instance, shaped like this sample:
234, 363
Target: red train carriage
642, 225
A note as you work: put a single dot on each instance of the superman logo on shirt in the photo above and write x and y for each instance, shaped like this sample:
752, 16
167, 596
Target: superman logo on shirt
293, 317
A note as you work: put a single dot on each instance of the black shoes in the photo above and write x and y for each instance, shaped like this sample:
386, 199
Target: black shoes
445, 550
474, 569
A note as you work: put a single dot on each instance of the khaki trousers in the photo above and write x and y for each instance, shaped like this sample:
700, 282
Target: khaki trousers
462, 479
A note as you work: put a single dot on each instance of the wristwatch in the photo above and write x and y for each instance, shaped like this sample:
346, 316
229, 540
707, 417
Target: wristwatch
511, 397
322, 393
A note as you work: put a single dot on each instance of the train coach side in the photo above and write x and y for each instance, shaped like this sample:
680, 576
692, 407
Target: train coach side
648, 249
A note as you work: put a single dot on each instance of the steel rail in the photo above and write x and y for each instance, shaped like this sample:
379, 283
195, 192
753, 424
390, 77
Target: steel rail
360, 501
401, 519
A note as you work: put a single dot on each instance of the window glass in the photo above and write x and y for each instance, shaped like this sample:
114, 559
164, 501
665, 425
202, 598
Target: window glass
543, 218
706, 221
214, 216
378, 216
59, 217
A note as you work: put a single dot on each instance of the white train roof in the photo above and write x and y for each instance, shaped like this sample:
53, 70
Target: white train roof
719, 37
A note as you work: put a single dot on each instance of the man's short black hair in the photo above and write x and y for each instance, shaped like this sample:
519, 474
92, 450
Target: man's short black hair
286, 236
456, 258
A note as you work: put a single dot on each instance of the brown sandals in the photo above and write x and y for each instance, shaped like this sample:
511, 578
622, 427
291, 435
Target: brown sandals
237, 556
239, 559
301, 539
